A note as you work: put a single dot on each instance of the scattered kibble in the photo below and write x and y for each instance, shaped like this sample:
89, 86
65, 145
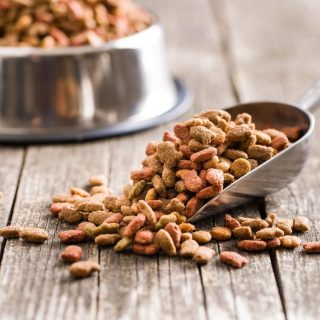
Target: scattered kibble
82, 269
233, 259
36, 235
72, 254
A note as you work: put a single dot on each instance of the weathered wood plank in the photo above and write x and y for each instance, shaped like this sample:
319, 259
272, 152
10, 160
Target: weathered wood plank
34, 282
10, 168
275, 56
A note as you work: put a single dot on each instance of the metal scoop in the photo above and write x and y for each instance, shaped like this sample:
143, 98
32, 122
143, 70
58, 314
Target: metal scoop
280, 170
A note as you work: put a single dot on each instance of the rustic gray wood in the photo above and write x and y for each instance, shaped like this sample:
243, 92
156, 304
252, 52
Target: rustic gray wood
226, 51
275, 56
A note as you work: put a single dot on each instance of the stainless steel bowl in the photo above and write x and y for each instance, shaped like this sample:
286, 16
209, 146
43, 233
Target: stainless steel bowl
85, 92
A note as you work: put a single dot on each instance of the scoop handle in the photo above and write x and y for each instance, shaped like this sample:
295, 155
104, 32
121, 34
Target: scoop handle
311, 99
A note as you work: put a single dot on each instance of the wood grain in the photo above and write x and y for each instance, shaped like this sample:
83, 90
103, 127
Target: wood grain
278, 61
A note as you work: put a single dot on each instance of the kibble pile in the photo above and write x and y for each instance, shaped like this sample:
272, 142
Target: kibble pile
63, 23
178, 175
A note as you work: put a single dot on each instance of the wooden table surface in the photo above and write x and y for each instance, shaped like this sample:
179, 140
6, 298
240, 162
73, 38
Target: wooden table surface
227, 51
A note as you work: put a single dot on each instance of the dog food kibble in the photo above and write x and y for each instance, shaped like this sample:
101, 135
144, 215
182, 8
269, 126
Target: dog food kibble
82, 269
10, 232
179, 174
290, 242
69, 23
301, 224
221, 233
72, 254
203, 255
312, 247
34, 235
233, 259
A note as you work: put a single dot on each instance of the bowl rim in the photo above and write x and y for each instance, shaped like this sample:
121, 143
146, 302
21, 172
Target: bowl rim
127, 41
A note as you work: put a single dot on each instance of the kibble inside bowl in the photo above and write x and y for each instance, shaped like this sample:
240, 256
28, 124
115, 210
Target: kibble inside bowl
64, 23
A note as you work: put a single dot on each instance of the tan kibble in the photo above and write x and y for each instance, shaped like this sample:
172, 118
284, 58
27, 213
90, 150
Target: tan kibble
82, 269
221, 233
243, 233
187, 227
188, 248
231, 222
148, 212
271, 218
290, 242
255, 224
203, 255
123, 244
234, 154
97, 180
259, 152
269, 233
10, 232
34, 235
107, 239
159, 185
285, 225
186, 236
301, 224
70, 215
90, 205
98, 217
202, 237
240, 167
165, 242
80, 192
262, 137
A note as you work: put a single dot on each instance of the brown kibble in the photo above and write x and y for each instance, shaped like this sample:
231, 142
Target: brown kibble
90, 205
168, 136
290, 242
235, 154
72, 254
145, 173
255, 224
185, 236
72, 236
107, 239
269, 233
135, 189
238, 133
274, 243
301, 224
10, 232
98, 217
151, 148
175, 205
187, 227
192, 181
148, 212
159, 185
34, 235
259, 152
175, 233
202, 237
80, 192
188, 248
168, 154
182, 132
203, 255
114, 218
70, 215
244, 233
285, 225
312, 247
231, 222
262, 137
252, 245
240, 167
216, 178
228, 178
221, 233
169, 176
166, 243
193, 205
279, 143
292, 133
97, 180
155, 204
271, 218
123, 244
203, 155
135, 224
233, 259
143, 237
56, 207
146, 250
82, 269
